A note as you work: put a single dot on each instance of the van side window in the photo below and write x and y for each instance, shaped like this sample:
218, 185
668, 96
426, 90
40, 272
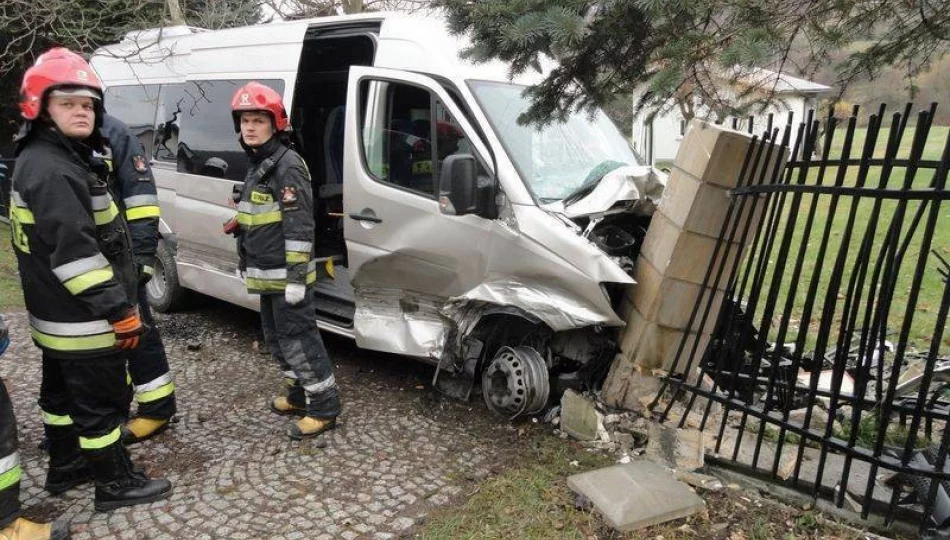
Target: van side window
171, 103
135, 105
407, 134
209, 145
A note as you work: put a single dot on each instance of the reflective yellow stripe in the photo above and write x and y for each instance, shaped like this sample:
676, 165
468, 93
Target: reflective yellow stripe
10, 477
96, 443
297, 257
157, 394
78, 343
142, 212
90, 279
102, 217
258, 284
128, 378
251, 220
51, 419
23, 215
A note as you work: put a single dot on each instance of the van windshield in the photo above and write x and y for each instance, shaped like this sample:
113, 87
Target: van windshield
554, 160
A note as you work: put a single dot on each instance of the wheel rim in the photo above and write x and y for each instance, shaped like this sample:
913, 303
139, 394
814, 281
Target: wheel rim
156, 286
516, 382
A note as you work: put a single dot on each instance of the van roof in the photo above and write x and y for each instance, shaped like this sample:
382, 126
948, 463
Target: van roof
406, 42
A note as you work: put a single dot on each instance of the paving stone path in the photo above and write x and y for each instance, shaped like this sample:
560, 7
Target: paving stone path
401, 451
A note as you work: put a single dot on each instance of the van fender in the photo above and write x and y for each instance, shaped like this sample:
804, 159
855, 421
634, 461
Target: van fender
165, 233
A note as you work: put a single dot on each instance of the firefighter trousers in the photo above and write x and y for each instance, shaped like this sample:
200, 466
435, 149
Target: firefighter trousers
152, 382
293, 338
9, 462
88, 395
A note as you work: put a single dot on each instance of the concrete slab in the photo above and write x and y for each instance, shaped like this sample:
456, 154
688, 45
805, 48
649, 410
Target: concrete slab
636, 495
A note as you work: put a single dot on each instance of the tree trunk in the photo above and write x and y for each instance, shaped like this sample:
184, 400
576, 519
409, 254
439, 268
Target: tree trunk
175, 15
352, 6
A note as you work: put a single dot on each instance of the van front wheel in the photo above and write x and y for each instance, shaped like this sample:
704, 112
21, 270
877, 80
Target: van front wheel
165, 293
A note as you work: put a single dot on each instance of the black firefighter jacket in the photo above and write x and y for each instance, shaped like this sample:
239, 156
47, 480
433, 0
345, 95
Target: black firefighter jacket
134, 188
72, 246
275, 213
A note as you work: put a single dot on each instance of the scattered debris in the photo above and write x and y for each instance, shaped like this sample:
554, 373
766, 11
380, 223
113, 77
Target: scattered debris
703, 481
582, 503
553, 416
825, 383
681, 449
819, 418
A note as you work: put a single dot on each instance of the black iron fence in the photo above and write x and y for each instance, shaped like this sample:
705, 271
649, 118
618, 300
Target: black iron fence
827, 369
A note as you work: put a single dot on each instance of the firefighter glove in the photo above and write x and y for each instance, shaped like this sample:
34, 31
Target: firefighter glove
294, 293
128, 330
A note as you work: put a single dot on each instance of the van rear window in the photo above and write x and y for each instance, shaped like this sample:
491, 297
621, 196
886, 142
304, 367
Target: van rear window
135, 106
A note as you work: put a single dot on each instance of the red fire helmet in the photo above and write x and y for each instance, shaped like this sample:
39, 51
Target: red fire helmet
55, 68
254, 96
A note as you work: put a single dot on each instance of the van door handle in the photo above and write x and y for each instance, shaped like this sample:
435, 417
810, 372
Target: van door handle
366, 217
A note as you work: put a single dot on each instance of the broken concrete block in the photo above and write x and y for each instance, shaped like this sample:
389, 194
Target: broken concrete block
626, 383
681, 449
819, 418
579, 417
636, 495
703, 481
670, 302
786, 466
715, 154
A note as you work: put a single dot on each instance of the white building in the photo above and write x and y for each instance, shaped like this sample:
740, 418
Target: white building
656, 136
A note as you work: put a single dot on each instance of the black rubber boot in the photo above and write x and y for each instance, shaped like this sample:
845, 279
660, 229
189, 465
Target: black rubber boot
67, 466
119, 484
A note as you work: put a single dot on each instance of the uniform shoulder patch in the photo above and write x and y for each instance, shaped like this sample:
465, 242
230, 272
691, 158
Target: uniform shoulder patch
139, 163
288, 195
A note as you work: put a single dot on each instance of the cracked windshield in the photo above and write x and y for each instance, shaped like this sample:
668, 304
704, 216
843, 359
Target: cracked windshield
554, 160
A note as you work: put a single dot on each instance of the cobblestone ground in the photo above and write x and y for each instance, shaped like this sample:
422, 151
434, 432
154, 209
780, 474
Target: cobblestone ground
402, 450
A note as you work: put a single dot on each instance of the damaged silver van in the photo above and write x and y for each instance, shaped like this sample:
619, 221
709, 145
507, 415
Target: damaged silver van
496, 251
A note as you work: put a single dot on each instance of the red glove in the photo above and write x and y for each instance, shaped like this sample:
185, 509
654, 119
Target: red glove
128, 330
231, 227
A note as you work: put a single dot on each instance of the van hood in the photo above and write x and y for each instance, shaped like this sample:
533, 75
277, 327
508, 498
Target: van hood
626, 189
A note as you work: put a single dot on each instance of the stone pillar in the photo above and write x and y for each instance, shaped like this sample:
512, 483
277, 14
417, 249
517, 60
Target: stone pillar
676, 255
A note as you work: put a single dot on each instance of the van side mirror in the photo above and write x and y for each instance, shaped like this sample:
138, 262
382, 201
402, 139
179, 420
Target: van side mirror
458, 185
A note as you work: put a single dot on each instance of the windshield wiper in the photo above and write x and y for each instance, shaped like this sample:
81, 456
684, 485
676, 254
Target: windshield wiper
593, 178
582, 190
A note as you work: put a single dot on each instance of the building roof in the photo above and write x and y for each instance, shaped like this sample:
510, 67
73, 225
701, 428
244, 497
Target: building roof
784, 83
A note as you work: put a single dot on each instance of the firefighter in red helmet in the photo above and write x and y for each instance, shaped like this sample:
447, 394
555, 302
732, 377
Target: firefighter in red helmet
79, 281
276, 248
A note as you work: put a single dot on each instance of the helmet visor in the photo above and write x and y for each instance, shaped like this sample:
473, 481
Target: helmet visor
75, 91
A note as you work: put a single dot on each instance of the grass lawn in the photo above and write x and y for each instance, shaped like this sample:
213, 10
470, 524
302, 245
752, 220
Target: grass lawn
531, 500
11, 294
871, 221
